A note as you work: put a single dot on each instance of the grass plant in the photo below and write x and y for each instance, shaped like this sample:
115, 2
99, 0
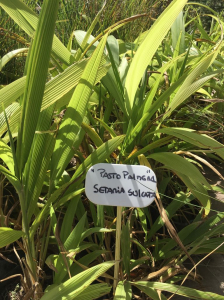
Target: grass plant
103, 98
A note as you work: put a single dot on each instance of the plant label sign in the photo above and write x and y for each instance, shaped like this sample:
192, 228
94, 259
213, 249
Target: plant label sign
120, 185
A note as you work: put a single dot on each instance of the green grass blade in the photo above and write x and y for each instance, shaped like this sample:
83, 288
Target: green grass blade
8, 236
11, 178
126, 247
123, 291
200, 140
148, 48
86, 260
11, 92
190, 85
99, 155
6, 156
6, 58
181, 199
77, 284
37, 70
181, 165
188, 173
109, 81
75, 113
59, 90
179, 290
178, 29
92, 134
96, 157
94, 291
71, 242
69, 218
153, 108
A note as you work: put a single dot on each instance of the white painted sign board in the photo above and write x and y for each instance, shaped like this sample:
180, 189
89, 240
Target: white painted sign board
120, 185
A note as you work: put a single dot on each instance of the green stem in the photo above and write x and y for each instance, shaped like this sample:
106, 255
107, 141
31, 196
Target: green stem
27, 241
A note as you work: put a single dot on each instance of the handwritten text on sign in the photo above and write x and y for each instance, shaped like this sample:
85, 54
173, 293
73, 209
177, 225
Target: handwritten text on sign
120, 185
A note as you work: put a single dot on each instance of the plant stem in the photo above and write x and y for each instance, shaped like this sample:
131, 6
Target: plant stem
117, 247
27, 241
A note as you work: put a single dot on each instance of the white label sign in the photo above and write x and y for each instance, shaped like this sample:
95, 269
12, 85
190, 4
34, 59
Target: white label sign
120, 185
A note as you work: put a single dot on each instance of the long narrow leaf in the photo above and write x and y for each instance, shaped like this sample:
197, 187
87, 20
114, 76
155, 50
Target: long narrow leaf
77, 284
179, 290
75, 113
36, 77
8, 236
148, 48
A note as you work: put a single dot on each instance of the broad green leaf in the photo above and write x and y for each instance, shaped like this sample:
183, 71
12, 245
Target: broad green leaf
11, 178
68, 196
178, 29
191, 85
6, 58
183, 234
156, 105
114, 48
179, 164
75, 113
63, 83
126, 246
123, 291
151, 292
94, 291
38, 165
39, 158
81, 38
82, 247
200, 140
94, 230
109, 81
6, 156
198, 190
11, 92
153, 145
98, 156
76, 285
8, 112
28, 21
69, 218
8, 236
210, 245
109, 129
37, 70
54, 89
16, 170
179, 200
188, 173
74, 238
177, 289
71, 242
64, 97
148, 48
143, 219
92, 134
204, 228
86, 261
59, 90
